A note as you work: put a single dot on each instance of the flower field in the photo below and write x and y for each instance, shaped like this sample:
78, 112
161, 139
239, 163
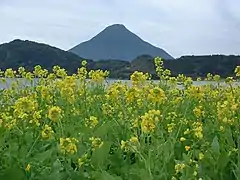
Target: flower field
68, 127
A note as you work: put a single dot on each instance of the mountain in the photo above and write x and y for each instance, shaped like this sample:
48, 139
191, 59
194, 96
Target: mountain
28, 54
117, 42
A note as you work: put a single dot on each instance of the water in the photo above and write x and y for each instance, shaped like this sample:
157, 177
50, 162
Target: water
108, 82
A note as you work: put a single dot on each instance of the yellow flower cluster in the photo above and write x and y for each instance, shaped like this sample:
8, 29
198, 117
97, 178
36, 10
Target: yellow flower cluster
130, 145
68, 145
82, 160
98, 75
91, 122
198, 130
96, 142
198, 112
24, 107
55, 113
115, 91
47, 132
156, 95
139, 78
10, 73
132, 94
150, 120
180, 167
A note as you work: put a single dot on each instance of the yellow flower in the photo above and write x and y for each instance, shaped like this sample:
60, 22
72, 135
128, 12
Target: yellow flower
221, 128
198, 130
198, 112
182, 139
82, 160
237, 71
187, 148
124, 145
134, 140
200, 156
149, 121
68, 145
47, 132
156, 95
91, 122
170, 127
24, 106
84, 63
54, 113
28, 167
179, 167
82, 73
98, 76
139, 78
130, 145
186, 132
10, 73
96, 142
216, 78
229, 80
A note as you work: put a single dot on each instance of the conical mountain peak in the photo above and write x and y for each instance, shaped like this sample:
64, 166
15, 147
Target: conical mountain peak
117, 42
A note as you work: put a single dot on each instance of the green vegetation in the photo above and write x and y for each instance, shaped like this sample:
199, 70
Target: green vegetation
67, 127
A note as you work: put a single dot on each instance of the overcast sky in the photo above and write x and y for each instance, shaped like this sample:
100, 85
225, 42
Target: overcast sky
181, 27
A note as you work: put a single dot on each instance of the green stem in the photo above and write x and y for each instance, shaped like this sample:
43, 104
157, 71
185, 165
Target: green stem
29, 152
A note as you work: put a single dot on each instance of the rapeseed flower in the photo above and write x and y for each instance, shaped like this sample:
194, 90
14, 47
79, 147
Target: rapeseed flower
237, 71
139, 78
82, 160
149, 121
130, 145
28, 167
10, 73
96, 142
54, 113
98, 76
198, 112
91, 122
187, 148
179, 167
156, 95
68, 145
47, 132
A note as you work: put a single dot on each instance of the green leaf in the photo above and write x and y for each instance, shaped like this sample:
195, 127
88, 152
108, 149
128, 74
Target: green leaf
140, 173
57, 166
43, 156
105, 176
215, 145
223, 160
186, 158
100, 155
14, 173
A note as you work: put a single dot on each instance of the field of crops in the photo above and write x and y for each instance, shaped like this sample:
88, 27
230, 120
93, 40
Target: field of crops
69, 128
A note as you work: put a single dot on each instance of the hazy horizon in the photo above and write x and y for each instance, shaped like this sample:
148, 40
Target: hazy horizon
181, 28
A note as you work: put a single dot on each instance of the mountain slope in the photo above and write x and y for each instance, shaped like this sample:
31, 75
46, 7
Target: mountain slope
28, 54
117, 42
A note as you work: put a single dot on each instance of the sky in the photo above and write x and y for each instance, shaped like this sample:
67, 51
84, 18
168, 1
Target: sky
181, 27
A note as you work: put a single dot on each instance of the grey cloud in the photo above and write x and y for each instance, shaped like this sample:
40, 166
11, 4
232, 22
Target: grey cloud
180, 27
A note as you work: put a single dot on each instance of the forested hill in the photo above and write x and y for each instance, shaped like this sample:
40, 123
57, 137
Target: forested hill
193, 66
29, 54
